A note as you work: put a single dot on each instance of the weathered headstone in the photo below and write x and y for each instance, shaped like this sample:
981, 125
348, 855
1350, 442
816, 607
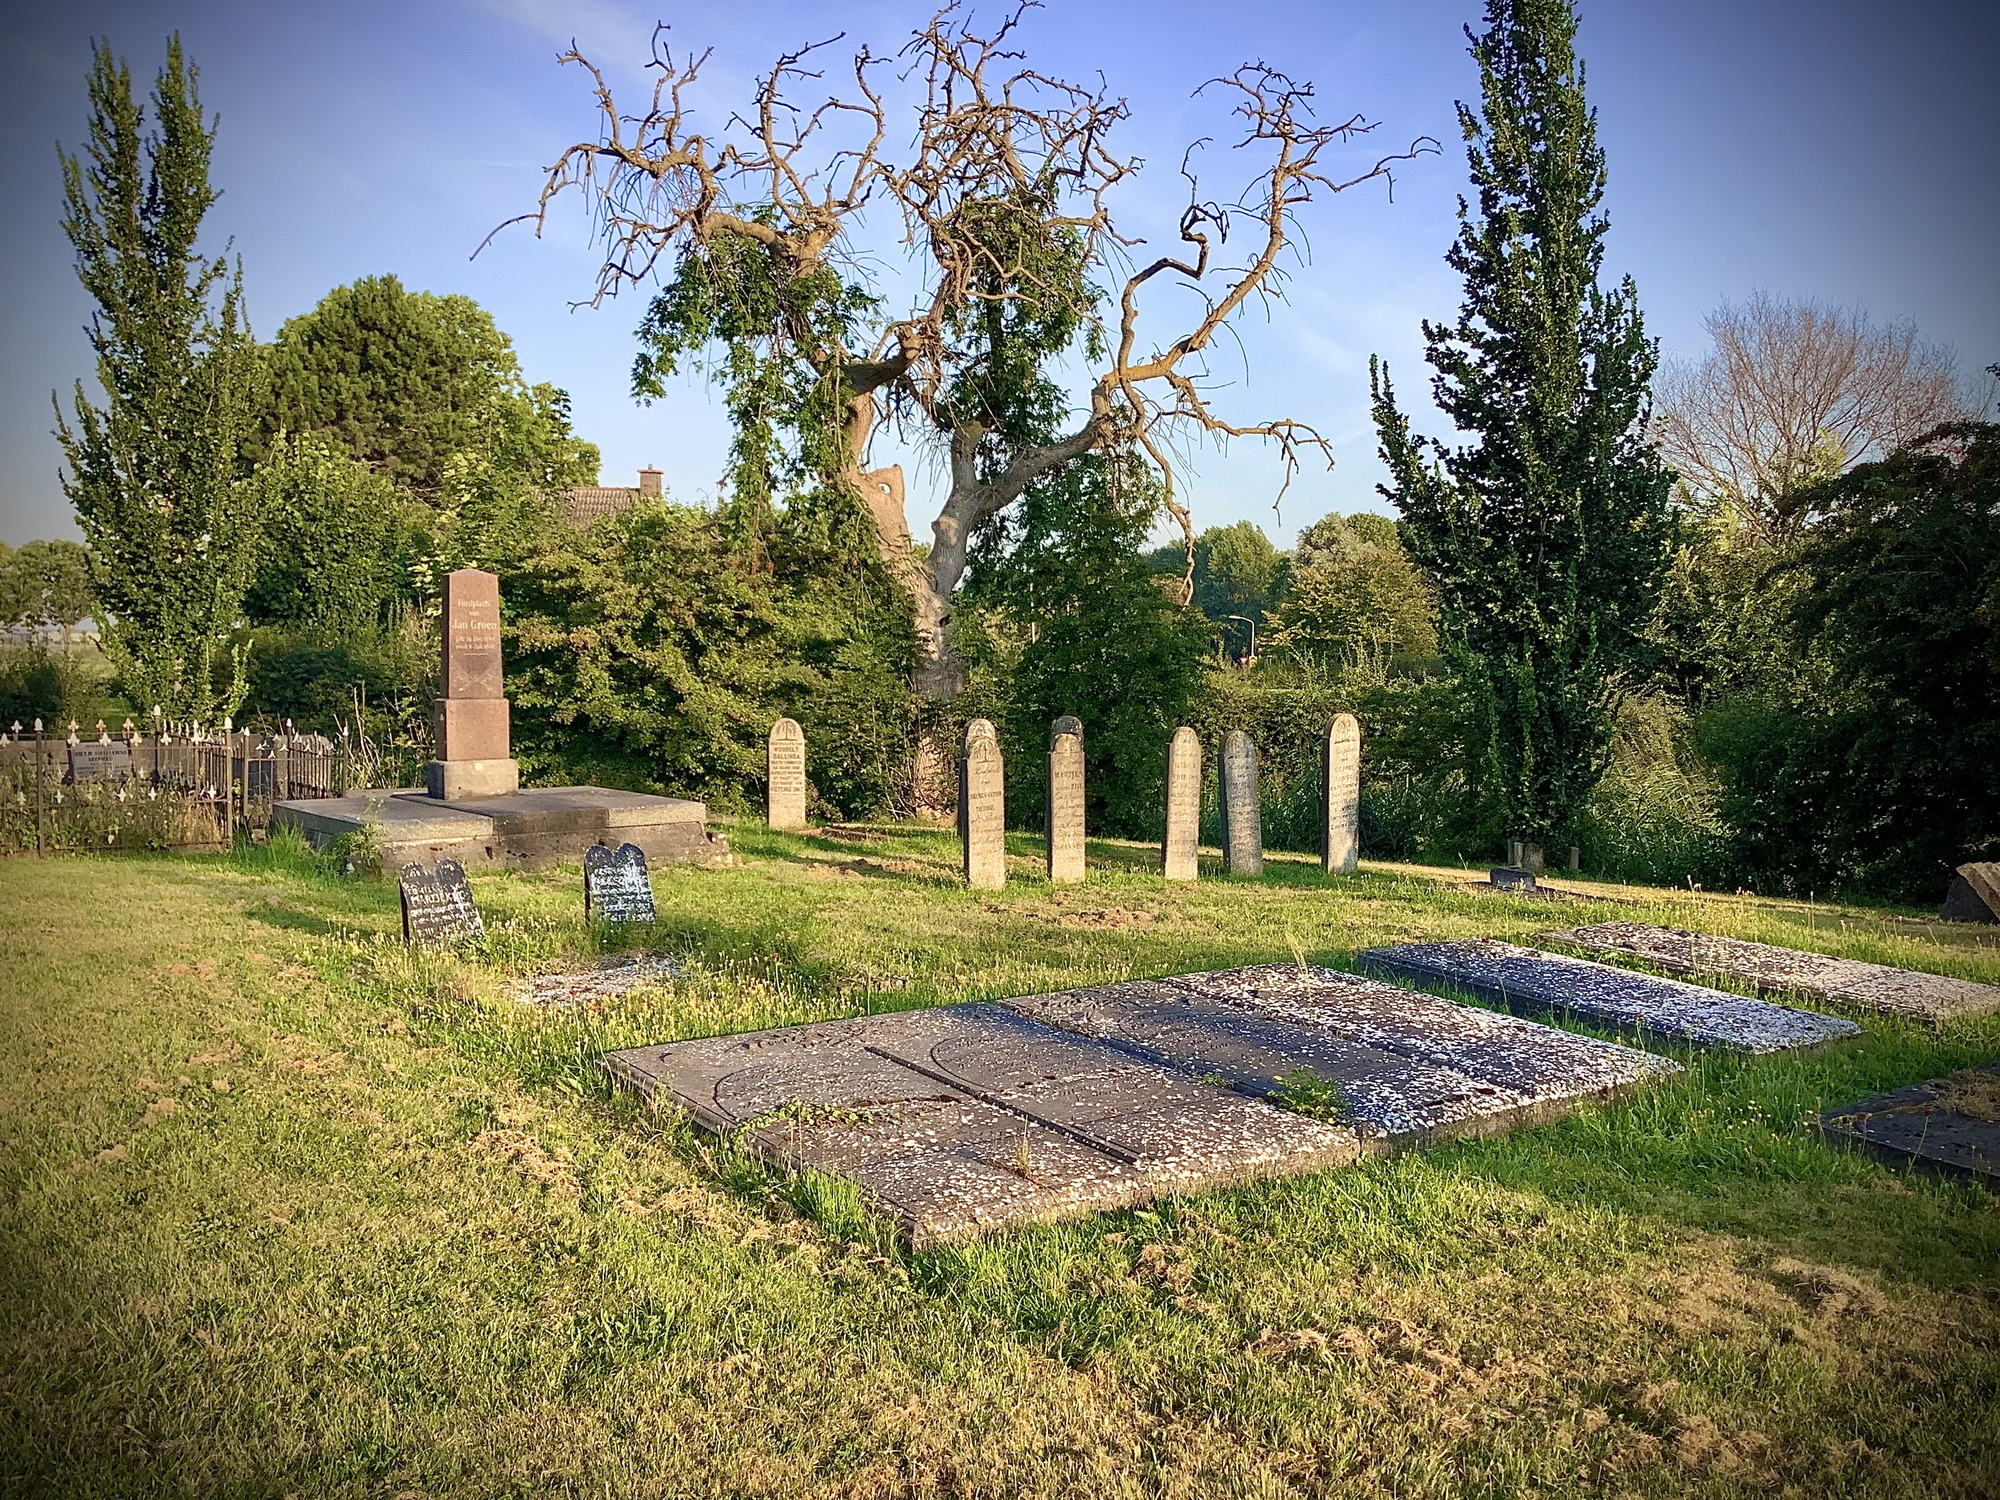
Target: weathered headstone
473, 752
1984, 879
1962, 904
100, 760
983, 809
1066, 817
1817, 977
1242, 806
1522, 979
1180, 848
438, 910
615, 884
976, 729
1340, 848
785, 772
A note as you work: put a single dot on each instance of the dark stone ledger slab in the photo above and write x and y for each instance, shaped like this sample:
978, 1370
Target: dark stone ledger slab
616, 887
1920, 1128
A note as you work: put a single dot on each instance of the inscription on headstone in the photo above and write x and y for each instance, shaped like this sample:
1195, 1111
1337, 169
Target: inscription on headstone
472, 635
615, 884
1066, 863
437, 905
1340, 847
785, 768
100, 761
1180, 848
983, 808
1242, 808
474, 757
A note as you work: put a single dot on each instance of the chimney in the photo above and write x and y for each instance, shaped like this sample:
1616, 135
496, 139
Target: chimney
649, 482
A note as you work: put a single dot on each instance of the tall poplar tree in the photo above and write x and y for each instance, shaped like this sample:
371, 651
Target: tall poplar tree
1547, 533
154, 473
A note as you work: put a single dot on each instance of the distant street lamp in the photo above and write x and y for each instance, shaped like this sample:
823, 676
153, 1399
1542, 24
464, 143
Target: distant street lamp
1250, 659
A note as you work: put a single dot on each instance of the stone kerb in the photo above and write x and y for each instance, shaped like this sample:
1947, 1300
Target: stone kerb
785, 772
474, 756
1340, 848
983, 808
1242, 806
1065, 810
1180, 847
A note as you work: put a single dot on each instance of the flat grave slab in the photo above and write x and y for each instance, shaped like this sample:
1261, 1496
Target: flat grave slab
1408, 1067
1948, 1127
1525, 980
605, 982
962, 1120
1814, 976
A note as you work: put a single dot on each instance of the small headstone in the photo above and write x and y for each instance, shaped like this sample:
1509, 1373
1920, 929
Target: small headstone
437, 905
100, 760
983, 809
785, 770
1340, 784
1985, 882
1242, 807
1523, 980
1504, 878
1180, 849
1066, 816
615, 884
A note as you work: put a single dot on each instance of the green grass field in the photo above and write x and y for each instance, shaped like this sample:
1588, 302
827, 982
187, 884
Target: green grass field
288, 1211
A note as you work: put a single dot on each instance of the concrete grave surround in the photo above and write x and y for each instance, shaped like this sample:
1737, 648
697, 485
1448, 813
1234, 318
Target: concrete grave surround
785, 776
1180, 848
616, 887
968, 1119
1812, 976
983, 803
1525, 980
1917, 1128
438, 909
971, 1118
474, 757
473, 811
1340, 785
1066, 808
1242, 806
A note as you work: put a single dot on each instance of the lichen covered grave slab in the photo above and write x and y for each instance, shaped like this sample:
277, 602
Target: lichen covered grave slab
1947, 1127
1526, 980
1817, 977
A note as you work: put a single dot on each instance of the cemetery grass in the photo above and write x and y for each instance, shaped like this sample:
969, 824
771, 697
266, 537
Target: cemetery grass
288, 1210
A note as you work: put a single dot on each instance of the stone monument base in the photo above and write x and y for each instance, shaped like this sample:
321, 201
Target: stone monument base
450, 780
519, 829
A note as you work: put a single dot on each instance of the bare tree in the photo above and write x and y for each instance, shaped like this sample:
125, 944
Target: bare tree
1004, 205
1791, 394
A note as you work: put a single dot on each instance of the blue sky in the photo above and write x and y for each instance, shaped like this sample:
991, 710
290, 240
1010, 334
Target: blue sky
1840, 151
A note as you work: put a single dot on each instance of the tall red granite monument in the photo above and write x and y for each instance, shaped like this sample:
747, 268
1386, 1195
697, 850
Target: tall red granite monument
472, 807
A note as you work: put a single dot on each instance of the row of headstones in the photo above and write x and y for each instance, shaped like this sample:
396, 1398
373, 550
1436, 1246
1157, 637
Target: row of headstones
438, 909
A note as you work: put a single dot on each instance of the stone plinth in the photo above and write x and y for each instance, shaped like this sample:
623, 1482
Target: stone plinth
474, 757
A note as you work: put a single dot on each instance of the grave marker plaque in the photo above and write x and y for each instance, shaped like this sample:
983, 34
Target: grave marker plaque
1242, 807
100, 761
785, 768
438, 910
1180, 849
1066, 817
615, 884
983, 809
1340, 848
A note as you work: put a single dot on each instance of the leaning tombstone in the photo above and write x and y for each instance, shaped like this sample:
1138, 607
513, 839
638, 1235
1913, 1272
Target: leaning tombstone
1242, 807
1974, 894
983, 808
1066, 818
616, 887
785, 771
1340, 786
438, 910
1180, 848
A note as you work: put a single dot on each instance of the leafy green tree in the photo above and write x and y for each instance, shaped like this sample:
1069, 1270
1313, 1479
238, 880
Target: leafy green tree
334, 531
1237, 571
427, 391
45, 583
154, 473
1545, 536
1355, 595
1094, 637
